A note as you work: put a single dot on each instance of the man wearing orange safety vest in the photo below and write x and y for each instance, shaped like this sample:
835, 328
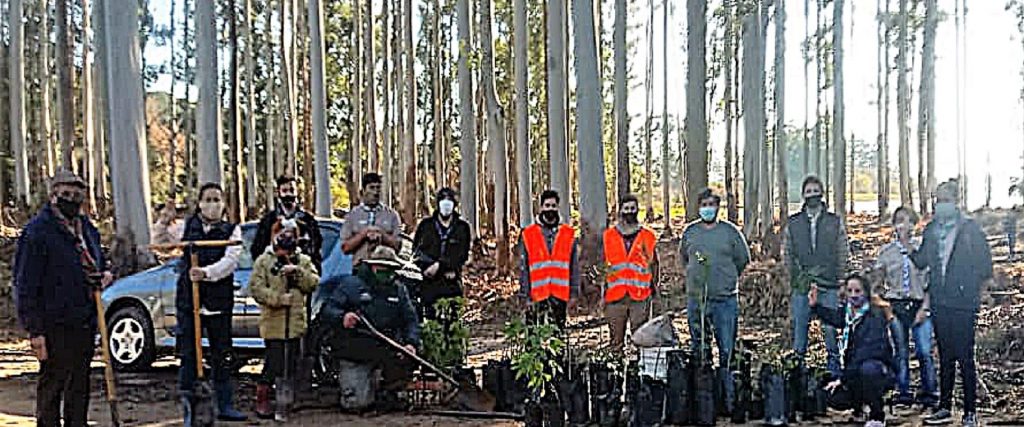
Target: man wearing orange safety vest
549, 276
632, 271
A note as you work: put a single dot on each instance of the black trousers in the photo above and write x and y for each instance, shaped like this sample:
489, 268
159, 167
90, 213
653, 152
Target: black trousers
954, 330
273, 359
64, 377
864, 384
550, 311
218, 332
359, 347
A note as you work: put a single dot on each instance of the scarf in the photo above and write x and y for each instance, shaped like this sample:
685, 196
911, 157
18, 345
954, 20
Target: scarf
74, 227
905, 277
853, 317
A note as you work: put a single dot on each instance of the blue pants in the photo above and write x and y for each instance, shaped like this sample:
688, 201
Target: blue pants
719, 318
218, 332
863, 385
904, 332
800, 313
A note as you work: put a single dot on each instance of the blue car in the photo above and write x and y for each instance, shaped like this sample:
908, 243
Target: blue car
140, 308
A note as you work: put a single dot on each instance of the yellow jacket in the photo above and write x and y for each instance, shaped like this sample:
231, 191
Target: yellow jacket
267, 288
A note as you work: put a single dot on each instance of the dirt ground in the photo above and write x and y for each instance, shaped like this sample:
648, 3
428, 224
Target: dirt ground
148, 399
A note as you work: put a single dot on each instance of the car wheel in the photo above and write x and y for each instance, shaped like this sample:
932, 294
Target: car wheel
132, 346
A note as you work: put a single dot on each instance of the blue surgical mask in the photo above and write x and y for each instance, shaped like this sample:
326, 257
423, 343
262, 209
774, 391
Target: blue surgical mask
707, 213
945, 211
857, 301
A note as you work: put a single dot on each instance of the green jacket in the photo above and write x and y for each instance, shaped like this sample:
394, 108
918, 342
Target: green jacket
267, 288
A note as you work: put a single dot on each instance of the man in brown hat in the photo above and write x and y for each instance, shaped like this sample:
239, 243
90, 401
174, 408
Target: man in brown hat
57, 265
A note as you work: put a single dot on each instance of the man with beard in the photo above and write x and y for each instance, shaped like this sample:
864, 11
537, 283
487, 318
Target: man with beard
371, 224
632, 263
441, 245
288, 207
549, 272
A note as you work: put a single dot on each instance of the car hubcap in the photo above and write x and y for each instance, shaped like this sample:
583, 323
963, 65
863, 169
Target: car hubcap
126, 340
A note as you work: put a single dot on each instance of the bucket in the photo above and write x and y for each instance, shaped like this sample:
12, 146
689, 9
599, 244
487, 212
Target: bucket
654, 362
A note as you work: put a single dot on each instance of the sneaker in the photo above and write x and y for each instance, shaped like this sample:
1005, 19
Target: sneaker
904, 401
970, 420
874, 424
939, 417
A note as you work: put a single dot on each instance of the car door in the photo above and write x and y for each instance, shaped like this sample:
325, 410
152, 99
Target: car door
246, 311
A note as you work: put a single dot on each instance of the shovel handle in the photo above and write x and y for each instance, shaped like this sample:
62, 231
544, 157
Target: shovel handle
406, 352
108, 369
198, 328
195, 243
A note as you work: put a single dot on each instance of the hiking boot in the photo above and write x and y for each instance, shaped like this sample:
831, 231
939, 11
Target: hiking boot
904, 401
970, 420
263, 409
225, 409
939, 417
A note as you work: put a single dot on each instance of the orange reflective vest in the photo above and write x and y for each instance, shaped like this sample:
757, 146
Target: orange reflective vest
549, 270
628, 273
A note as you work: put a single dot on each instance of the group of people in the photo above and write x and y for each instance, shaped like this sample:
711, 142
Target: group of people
914, 290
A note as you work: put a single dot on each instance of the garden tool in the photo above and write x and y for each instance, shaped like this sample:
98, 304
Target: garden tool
108, 369
468, 394
284, 392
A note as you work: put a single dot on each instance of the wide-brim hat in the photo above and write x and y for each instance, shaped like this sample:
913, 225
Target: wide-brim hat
384, 256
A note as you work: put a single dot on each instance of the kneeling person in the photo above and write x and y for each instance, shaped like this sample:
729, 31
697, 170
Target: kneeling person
281, 279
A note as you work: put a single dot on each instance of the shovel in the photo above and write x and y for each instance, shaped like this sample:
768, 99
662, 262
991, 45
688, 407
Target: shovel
283, 387
201, 405
468, 395
108, 369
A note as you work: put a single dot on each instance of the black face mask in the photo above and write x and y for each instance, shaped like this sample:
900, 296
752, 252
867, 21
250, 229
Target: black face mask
630, 218
549, 217
69, 208
286, 243
289, 201
813, 202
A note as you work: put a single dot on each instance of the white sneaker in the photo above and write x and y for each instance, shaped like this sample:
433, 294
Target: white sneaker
874, 424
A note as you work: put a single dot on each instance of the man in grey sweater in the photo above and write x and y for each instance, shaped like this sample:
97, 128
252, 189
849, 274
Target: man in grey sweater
714, 253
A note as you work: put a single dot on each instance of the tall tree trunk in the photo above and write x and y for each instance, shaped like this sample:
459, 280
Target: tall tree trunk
696, 116
440, 151
209, 149
648, 107
173, 104
467, 122
236, 198
271, 134
903, 108
732, 207
926, 107
622, 169
250, 110
370, 84
838, 125
781, 152
386, 102
806, 55
88, 124
394, 169
880, 152
666, 175
410, 188
128, 134
557, 118
319, 110
290, 166
819, 77
65, 86
764, 182
99, 102
45, 79
5, 110
753, 99
16, 72
887, 185
496, 138
522, 101
356, 144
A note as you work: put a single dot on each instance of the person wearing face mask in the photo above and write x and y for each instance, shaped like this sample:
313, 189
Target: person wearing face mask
57, 264
714, 254
817, 252
441, 248
281, 279
867, 362
956, 253
289, 207
216, 271
904, 287
632, 262
549, 276
371, 224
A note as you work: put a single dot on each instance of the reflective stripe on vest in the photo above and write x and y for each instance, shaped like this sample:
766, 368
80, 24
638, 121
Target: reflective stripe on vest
549, 269
628, 273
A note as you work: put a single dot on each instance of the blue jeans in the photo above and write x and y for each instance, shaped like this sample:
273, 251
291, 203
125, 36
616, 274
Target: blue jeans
921, 335
721, 318
800, 313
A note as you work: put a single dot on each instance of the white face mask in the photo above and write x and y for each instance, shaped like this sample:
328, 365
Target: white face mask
211, 210
446, 207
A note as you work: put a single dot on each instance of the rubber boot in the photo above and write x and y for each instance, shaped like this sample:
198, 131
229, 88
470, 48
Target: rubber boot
225, 410
263, 409
186, 409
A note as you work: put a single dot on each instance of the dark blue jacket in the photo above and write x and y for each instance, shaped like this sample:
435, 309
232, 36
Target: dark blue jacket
52, 289
870, 339
970, 265
388, 306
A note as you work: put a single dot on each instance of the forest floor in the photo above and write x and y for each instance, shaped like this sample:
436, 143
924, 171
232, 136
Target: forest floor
148, 399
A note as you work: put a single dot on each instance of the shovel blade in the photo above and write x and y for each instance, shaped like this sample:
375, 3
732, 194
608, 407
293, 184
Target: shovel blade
471, 397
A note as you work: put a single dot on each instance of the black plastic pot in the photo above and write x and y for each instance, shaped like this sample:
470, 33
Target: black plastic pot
820, 378
605, 394
679, 402
632, 381
743, 392
774, 391
554, 411
500, 380
573, 393
796, 384
649, 407
705, 409
534, 415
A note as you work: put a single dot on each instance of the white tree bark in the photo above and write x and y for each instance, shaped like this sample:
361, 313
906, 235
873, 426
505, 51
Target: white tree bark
130, 168
386, 102
521, 58
370, 84
495, 136
839, 122
622, 169
903, 108
48, 146
319, 99
409, 189
926, 109
16, 71
696, 114
666, 175
250, 109
781, 152
65, 87
730, 106
291, 147
270, 135
209, 151
100, 112
753, 139
467, 125
590, 157
558, 150
88, 123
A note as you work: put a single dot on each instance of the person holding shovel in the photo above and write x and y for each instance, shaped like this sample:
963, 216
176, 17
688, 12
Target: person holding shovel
281, 279
215, 271
714, 254
957, 255
632, 261
57, 265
